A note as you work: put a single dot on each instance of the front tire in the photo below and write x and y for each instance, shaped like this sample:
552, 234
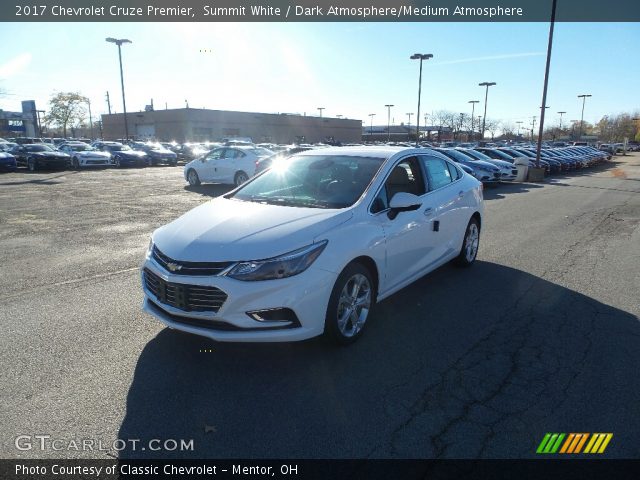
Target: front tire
470, 244
192, 178
240, 178
75, 163
116, 162
32, 164
349, 304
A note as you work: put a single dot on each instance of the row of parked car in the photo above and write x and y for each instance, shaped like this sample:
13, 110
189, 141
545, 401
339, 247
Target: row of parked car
78, 154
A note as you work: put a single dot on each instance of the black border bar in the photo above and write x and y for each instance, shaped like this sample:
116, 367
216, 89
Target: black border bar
317, 11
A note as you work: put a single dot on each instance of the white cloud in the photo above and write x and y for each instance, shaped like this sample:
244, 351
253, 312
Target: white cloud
489, 58
15, 65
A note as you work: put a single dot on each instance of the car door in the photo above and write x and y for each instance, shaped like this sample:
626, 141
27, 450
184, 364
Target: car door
208, 167
411, 244
450, 201
228, 165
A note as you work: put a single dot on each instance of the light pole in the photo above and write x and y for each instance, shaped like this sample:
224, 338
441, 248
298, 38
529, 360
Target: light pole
461, 119
389, 121
320, 109
421, 57
339, 116
561, 113
90, 119
119, 43
371, 115
473, 110
584, 99
519, 122
486, 94
409, 126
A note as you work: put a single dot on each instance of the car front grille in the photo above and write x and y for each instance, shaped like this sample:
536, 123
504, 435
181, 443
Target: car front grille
190, 298
178, 267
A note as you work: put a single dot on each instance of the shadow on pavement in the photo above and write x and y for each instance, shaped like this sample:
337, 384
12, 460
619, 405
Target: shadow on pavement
210, 189
464, 363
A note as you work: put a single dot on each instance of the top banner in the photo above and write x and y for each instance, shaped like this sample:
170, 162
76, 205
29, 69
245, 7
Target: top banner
317, 11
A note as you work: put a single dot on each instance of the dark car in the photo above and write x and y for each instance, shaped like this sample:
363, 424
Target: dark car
38, 155
7, 162
156, 153
123, 155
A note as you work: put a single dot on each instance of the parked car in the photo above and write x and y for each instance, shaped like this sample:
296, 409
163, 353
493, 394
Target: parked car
156, 153
266, 162
483, 171
310, 249
83, 155
507, 171
7, 162
38, 155
227, 165
123, 155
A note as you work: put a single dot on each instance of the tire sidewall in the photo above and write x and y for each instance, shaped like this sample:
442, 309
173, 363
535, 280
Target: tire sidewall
191, 173
240, 175
331, 329
462, 260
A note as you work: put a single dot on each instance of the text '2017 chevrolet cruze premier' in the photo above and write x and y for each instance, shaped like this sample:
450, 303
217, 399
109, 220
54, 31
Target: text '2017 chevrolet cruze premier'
311, 244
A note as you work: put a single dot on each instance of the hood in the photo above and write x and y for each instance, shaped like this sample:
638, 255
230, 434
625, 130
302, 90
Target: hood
92, 154
130, 153
482, 164
6, 156
233, 230
501, 163
48, 154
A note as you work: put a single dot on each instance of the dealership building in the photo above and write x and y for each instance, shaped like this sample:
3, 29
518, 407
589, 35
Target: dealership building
199, 125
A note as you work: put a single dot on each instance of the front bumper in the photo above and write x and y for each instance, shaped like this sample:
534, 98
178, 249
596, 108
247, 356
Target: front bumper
95, 162
307, 294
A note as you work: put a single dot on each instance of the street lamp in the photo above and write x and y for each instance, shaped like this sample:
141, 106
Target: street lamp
389, 121
473, 110
409, 127
584, 99
421, 57
119, 43
486, 94
371, 115
519, 122
320, 109
561, 113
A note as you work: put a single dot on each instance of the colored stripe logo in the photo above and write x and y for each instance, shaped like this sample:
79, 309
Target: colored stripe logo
573, 443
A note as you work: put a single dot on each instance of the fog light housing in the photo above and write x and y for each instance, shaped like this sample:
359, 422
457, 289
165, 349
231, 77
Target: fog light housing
281, 316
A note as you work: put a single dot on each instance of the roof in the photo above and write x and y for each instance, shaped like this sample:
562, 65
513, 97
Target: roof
377, 151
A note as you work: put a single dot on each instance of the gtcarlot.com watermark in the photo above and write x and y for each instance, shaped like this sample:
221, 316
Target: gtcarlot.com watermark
49, 443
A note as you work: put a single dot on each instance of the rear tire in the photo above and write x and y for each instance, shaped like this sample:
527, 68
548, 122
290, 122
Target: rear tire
192, 178
240, 178
470, 244
32, 164
349, 305
75, 163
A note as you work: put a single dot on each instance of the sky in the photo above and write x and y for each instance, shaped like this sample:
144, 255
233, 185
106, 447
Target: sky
350, 69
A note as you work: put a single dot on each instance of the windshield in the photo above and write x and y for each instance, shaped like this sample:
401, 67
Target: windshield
318, 181
38, 148
80, 148
457, 155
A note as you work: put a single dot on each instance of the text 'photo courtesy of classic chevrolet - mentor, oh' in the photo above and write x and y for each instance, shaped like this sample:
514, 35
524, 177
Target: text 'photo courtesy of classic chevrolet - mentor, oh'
309, 245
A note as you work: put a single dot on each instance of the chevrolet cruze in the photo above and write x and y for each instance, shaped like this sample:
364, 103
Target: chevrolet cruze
311, 244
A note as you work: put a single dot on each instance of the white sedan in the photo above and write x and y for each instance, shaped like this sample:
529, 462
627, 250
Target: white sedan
83, 155
310, 245
231, 165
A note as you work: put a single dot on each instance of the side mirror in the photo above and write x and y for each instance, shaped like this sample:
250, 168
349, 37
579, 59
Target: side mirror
403, 202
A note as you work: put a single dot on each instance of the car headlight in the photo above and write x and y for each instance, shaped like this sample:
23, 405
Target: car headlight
150, 247
286, 265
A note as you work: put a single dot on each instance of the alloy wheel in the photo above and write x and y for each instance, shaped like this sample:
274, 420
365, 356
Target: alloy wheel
354, 304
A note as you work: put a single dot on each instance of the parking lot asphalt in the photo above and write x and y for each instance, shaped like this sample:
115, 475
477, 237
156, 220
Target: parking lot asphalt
541, 335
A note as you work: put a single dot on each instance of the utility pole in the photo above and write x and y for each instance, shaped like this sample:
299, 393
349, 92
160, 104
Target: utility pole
90, 118
108, 103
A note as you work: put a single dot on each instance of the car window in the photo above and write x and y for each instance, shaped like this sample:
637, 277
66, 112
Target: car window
405, 177
438, 174
455, 173
215, 154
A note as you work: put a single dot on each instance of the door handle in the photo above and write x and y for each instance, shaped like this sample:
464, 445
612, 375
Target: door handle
461, 193
428, 211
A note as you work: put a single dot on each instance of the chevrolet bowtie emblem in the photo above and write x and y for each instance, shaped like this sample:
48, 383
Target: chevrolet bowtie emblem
174, 267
